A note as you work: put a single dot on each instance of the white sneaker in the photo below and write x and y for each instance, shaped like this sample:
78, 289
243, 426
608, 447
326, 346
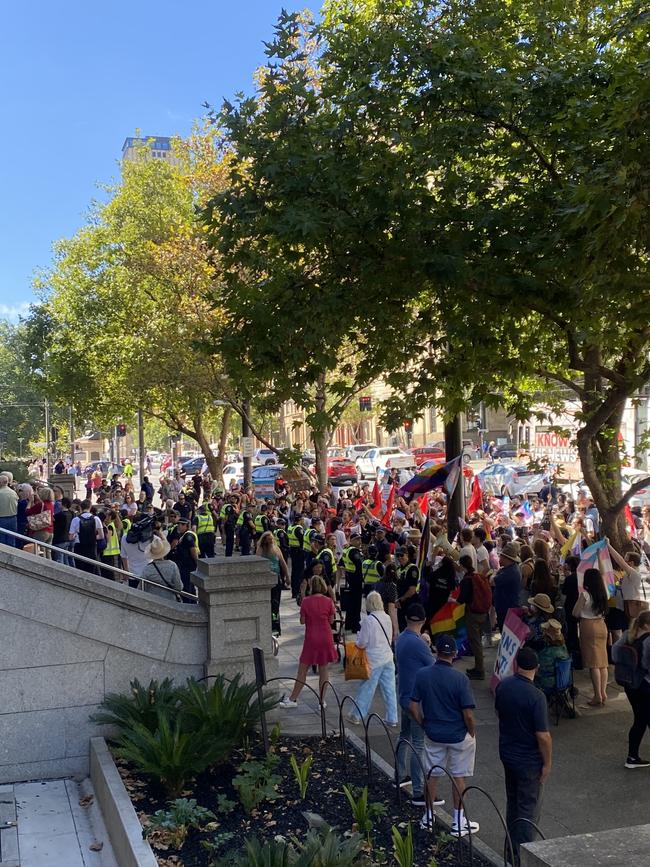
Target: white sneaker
285, 701
464, 829
428, 822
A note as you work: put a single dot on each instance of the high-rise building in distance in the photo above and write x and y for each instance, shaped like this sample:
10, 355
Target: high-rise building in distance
160, 146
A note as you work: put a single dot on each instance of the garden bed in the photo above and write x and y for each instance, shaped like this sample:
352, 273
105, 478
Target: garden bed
220, 791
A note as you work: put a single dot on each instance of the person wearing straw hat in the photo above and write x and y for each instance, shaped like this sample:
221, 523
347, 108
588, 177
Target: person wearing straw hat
507, 582
541, 609
554, 648
164, 574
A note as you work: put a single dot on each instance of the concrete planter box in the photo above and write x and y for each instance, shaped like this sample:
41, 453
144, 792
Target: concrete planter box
120, 818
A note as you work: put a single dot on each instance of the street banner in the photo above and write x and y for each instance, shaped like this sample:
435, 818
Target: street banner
513, 635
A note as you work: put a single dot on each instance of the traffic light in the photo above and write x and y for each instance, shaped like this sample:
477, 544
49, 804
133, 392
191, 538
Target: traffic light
121, 430
365, 404
408, 425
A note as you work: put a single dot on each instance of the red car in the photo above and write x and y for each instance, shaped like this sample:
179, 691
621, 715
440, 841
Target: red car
341, 471
435, 452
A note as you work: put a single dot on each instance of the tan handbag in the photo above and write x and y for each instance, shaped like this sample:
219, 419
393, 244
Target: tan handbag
357, 666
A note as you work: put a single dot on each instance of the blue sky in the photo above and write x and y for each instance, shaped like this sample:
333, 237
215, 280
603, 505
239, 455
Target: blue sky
78, 77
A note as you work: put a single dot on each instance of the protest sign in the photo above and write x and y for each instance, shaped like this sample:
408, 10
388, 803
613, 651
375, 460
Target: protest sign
513, 635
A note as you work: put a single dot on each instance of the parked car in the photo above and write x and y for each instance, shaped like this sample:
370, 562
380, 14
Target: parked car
383, 458
190, 467
264, 457
511, 479
341, 471
358, 450
165, 463
233, 473
505, 452
433, 452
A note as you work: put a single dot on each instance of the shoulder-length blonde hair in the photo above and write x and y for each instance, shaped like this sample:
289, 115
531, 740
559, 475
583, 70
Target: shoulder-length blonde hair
267, 545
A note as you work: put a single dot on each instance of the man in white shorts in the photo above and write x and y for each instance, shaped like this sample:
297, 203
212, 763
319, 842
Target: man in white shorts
442, 703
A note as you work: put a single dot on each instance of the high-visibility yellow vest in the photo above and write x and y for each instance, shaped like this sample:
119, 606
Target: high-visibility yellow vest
294, 542
204, 523
306, 540
112, 548
240, 519
347, 561
326, 557
371, 571
259, 526
223, 513
126, 525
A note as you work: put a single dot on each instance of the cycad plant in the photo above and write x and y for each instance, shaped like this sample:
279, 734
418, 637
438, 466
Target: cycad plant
169, 754
141, 705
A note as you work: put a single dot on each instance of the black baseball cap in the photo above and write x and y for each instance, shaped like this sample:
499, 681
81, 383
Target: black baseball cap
416, 613
446, 644
400, 550
318, 537
527, 659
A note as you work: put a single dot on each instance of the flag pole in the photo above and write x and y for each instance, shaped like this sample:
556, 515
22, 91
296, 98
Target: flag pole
453, 448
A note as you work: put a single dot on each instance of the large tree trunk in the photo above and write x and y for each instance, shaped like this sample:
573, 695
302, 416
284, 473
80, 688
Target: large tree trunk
223, 438
215, 464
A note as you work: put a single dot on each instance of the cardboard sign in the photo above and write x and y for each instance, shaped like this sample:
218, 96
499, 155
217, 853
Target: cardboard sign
514, 633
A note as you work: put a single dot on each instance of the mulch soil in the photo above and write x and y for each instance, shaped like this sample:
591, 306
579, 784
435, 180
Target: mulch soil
332, 768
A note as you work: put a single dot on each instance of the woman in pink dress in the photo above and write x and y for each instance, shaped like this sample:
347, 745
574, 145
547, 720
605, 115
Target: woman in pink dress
317, 614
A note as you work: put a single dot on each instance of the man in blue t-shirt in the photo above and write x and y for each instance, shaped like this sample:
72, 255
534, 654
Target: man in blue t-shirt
412, 653
525, 746
442, 702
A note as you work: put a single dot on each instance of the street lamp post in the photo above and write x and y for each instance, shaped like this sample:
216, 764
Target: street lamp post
20, 447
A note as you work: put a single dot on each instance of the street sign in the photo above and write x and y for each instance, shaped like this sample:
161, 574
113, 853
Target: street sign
247, 447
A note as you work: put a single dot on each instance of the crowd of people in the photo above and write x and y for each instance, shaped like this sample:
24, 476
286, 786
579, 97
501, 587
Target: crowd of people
335, 548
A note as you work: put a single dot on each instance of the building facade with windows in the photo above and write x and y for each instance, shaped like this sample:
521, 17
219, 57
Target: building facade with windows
159, 145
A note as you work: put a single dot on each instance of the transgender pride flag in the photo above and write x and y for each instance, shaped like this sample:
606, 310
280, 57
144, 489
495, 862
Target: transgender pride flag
596, 556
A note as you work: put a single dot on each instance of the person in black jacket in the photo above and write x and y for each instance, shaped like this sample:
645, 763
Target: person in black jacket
570, 589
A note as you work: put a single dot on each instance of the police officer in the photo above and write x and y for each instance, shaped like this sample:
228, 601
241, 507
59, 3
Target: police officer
229, 514
408, 578
372, 570
203, 525
352, 563
246, 527
185, 554
307, 534
282, 538
262, 523
324, 556
295, 534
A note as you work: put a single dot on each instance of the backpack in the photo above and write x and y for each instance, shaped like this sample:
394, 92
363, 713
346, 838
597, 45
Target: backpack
628, 671
87, 532
481, 594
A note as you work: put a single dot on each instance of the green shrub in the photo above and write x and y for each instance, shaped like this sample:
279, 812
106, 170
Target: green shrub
182, 814
363, 813
141, 705
168, 754
320, 849
403, 846
222, 708
301, 773
256, 782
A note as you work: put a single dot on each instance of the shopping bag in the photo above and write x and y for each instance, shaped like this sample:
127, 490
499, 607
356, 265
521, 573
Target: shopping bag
357, 666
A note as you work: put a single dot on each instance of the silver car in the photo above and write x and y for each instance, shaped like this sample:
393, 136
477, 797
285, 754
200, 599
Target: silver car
513, 480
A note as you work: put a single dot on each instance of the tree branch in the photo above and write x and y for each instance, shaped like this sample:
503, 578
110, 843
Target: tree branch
564, 380
633, 489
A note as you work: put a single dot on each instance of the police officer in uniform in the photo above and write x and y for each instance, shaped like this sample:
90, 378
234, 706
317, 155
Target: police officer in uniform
185, 554
246, 527
323, 555
352, 563
408, 578
373, 570
282, 538
229, 514
203, 524
295, 534
262, 523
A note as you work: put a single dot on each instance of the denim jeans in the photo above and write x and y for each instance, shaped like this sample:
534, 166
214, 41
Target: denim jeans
413, 732
60, 556
523, 792
382, 676
8, 523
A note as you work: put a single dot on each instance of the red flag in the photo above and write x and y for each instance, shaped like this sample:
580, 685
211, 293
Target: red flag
424, 504
358, 503
376, 500
476, 500
389, 508
630, 520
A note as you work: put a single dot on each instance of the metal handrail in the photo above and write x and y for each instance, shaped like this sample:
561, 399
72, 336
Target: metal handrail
96, 563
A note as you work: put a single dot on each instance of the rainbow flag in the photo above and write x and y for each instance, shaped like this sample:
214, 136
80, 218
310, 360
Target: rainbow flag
450, 619
436, 476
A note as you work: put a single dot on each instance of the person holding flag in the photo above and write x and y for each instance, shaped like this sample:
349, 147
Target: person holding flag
636, 593
591, 608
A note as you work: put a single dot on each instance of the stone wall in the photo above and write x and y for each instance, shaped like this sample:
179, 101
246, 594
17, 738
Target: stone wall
66, 639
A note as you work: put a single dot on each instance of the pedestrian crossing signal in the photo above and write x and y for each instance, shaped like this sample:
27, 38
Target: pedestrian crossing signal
365, 404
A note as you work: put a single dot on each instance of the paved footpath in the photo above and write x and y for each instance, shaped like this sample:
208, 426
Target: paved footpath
589, 788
